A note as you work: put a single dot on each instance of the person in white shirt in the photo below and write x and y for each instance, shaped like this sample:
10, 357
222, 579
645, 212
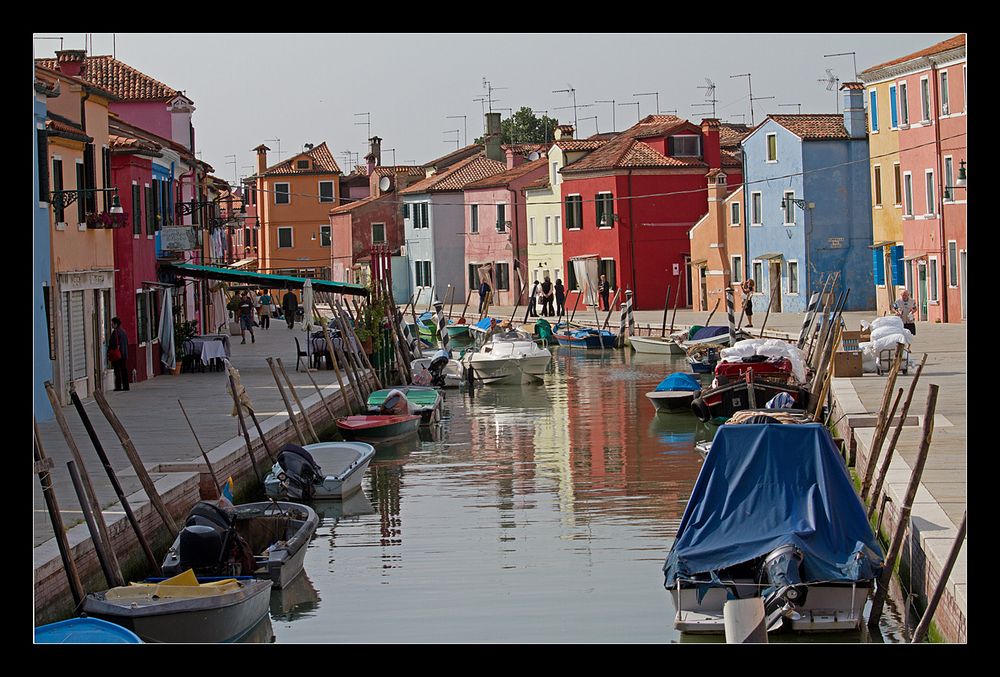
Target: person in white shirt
905, 308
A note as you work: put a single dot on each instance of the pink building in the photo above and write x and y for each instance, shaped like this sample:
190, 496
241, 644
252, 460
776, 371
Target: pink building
496, 227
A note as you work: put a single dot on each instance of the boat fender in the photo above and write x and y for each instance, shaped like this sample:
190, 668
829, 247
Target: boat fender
701, 410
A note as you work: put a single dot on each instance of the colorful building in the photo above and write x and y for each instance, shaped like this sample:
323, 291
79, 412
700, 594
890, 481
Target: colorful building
543, 201
808, 209
294, 201
632, 201
42, 339
718, 246
929, 112
434, 220
496, 224
81, 302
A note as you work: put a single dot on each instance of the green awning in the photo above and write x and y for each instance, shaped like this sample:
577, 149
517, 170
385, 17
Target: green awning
266, 280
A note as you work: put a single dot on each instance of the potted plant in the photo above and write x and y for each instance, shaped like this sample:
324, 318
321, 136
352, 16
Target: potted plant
182, 332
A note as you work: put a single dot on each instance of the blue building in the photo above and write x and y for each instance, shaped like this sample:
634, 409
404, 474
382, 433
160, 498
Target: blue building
42, 259
808, 206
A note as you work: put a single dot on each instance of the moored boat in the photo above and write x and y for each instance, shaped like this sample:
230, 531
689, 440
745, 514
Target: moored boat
656, 345
326, 470
264, 540
423, 400
588, 338
808, 539
715, 335
674, 393
85, 631
377, 428
181, 610
439, 371
511, 357
457, 330
750, 392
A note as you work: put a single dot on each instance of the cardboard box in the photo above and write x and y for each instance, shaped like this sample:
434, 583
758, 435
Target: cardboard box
847, 364
856, 335
849, 340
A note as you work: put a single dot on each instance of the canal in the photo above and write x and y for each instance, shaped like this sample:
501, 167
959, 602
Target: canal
535, 513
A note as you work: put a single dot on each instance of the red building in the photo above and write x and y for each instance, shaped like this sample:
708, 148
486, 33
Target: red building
498, 232
632, 202
135, 244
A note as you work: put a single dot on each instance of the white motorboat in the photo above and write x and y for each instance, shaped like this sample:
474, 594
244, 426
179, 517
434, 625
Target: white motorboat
432, 371
324, 470
511, 357
656, 345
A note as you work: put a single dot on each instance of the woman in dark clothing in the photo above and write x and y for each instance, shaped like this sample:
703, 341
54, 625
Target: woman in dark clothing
118, 353
560, 298
532, 310
484, 290
547, 298
605, 291
289, 306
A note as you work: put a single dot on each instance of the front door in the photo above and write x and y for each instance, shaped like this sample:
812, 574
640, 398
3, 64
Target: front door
775, 282
703, 285
965, 285
922, 288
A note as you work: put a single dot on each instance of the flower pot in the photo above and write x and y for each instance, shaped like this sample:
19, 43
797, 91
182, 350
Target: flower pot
177, 369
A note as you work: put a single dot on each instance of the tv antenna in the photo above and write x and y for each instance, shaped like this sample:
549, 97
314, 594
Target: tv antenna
852, 55
367, 122
614, 125
456, 132
277, 141
831, 85
464, 126
569, 90
709, 88
594, 118
636, 104
656, 94
783, 105
488, 86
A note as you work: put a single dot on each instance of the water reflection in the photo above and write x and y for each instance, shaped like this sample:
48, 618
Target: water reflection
296, 600
533, 513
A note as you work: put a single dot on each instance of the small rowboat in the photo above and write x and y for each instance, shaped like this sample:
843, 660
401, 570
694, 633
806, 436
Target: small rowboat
327, 470
426, 401
377, 428
655, 345
84, 631
182, 610
591, 339
457, 330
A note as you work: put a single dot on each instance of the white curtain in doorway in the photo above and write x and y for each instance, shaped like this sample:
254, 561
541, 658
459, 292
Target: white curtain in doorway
167, 356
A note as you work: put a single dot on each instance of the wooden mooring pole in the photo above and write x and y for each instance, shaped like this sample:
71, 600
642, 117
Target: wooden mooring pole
243, 423
903, 518
336, 367
883, 423
298, 402
211, 470
925, 620
284, 398
100, 546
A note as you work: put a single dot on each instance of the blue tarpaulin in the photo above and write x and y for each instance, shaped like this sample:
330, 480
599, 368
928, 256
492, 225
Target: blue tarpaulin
679, 381
709, 332
764, 486
485, 323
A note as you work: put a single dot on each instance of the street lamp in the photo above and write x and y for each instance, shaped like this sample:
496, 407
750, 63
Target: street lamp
68, 197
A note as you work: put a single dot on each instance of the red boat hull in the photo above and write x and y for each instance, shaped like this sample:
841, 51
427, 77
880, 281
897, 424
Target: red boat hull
375, 427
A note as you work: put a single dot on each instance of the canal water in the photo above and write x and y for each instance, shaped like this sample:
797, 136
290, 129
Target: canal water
534, 513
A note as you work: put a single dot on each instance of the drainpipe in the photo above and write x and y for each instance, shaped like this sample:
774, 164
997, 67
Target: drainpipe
517, 258
942, 244
631, 232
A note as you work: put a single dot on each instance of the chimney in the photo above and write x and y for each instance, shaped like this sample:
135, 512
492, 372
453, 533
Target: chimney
374, 156
854, 109
710, 150
514, 159
564, 132
718, 189
71, 61
261, 158
492, 138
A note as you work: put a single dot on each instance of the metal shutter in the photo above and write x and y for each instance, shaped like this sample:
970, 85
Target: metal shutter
74, 335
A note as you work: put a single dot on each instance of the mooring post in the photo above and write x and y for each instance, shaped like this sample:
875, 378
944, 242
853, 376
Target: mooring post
925, 620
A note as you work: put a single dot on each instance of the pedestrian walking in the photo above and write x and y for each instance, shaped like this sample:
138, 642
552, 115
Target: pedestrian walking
531, 300
245, 315
748, 288
289, 306
604, 288
560, 298
265, 309
118, 353
905, 308
484, 290
547, 295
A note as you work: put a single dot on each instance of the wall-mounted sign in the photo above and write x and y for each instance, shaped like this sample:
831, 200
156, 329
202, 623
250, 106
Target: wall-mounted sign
677, 269
177, 238
836, 242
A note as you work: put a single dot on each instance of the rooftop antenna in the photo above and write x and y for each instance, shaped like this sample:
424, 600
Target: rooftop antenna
277, 141
613, 123
741, 116
709, 88
636, 104
488, 86
831, 85
368, 122
750, 85
782, 105
853, 56
594, 118
450, 131
569, 90
393, 151
43, 37
348, 156
464, 126
235, 168
656, 94
542, 120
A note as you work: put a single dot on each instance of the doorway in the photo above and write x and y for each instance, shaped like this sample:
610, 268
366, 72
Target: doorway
774, 279
922, 288
965, 284
703, 286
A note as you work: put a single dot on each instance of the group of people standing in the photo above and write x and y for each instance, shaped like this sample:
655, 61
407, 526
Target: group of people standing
264, 307
543, 294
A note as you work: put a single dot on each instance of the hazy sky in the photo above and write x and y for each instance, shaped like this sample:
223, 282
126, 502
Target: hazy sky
306, 88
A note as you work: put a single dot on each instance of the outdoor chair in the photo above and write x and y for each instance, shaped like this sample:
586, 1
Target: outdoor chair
191, 359
299, 354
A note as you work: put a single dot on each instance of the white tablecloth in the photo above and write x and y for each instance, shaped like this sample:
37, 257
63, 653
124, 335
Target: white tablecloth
211, 350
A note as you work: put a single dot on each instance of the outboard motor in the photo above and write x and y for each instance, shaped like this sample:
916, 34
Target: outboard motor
299, 472
437, 367
395, 403
209, 543
782, 567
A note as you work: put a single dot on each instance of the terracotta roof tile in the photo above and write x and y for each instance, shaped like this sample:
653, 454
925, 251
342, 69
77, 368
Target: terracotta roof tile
539, 184
458, 175
323, 163
813, 127
343, 209
118, 78
730, 135
392, 170
56, 125
621, 151
580, 144
506, 177
944, 46
455, 156
127, 143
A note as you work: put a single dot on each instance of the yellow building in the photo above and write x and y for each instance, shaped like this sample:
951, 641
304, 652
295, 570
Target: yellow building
886, 181
543, 202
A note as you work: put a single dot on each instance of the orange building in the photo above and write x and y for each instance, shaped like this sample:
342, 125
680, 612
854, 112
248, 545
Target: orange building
293, 203
718, 248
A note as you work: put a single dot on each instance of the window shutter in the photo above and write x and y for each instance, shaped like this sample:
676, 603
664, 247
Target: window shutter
43, 165
896, 256
879, 265
670, 145
892, 106
81, 200
91, 181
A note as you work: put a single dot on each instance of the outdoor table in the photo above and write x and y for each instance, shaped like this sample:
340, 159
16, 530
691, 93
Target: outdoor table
211, 347
215, 337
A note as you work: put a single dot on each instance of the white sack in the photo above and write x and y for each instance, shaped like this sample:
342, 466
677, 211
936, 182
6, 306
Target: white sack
887, 321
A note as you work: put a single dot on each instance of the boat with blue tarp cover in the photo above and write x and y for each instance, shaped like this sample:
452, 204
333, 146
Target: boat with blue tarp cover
773, 514
85, 631
675, 393
586, 337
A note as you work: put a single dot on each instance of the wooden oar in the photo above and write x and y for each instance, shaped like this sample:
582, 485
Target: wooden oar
673, 315
611, 307
462, 319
